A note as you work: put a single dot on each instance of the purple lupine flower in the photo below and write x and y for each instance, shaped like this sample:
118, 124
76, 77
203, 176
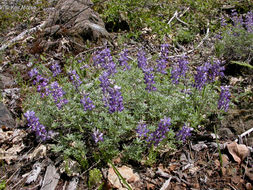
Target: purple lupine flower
56, 69
237, 20
87, 103
115, 100
215, 70
105, 83
163, 59
223, 21
75, 79
36, 126
97, 136
142, 130
142, 60
104, 59
160, 133
149, 79
201, 76
184, 133
179, 70
57, 93
249, 21
41, 83
34, 72
224, 99
123, 60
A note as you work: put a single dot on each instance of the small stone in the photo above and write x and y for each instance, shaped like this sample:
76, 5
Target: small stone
6, 118
225, 133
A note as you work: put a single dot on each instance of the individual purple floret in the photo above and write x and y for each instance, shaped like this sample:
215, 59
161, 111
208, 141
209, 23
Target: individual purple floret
115, 102
75, 79
179, 70
201, 76
149, 79
97, 136
36, 126
142, 130
249, 21
215, 70
163, 59
160, 133
184, 133
142, 60
34, 72
57, 93
224, 99
123, 60
87, 103
56, 69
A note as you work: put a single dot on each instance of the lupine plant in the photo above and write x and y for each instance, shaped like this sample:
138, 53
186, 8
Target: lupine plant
128, 107
236, 38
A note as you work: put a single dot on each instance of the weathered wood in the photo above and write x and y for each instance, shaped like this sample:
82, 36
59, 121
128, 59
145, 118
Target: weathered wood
51, 178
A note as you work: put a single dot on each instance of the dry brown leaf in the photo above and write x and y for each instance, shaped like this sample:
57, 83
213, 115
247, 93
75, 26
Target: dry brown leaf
239, 152
39, 152
225, 160
249, 173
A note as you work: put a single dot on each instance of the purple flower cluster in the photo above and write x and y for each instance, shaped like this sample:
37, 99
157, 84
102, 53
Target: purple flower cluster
224, 99
97, 136
237, 20
201, 76
215, 70
142, 60
56, 69
75, 79
179, 70
160, 133
87, 103
57, 93
249, 21
39, 80
104, 59
163, 59
149, 78
207, 73
115, 102
36, 126
184, 133
123, 60
142, 130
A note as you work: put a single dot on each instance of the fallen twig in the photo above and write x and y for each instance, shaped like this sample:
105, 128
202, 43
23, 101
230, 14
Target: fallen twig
244, 134
166, 184
22, 35
174, 16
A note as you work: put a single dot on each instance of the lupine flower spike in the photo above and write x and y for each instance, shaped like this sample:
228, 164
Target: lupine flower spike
97, 136
184, 133
36, 126
224, 99
160, 133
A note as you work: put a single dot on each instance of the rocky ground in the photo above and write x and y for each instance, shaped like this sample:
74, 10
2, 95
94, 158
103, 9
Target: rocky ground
27, 164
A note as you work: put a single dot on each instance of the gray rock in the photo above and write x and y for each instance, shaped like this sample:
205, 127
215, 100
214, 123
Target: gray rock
6, 118
225, 133
6, 82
